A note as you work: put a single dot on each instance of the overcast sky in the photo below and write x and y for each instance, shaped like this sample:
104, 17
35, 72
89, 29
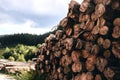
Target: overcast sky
31, 16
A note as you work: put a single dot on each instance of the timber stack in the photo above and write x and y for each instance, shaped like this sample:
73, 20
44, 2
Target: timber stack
86, 45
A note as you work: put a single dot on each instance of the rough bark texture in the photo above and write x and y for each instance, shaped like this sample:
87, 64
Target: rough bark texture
86, 45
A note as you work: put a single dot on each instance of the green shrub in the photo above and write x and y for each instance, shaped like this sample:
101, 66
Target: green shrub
2, 57
30, 75
11, 58
20, 52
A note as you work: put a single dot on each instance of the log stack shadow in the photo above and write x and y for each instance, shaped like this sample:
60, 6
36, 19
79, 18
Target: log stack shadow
86, 46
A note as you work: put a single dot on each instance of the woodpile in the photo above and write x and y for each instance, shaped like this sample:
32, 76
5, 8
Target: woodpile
86, 45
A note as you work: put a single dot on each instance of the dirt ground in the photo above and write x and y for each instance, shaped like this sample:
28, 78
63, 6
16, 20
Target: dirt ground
5, 77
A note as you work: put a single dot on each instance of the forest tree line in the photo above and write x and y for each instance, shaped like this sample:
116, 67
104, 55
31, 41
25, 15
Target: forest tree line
26, 39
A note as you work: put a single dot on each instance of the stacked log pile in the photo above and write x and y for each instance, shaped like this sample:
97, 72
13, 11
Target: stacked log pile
86, 45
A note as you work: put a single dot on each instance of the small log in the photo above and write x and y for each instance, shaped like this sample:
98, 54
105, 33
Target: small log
116, 32
59, 69
84, 5
47, 62
76, 31
87, 0
82, 25
50, 38
41, 57
90, 67
116, 49
60, 75
73, 4
106, 43
88, 46
54, 75
88, 36
68, 31
58, 45
64, 22
95, 30
76, 67
64, 37
89, 25
77, 28
115, 4
89, 76
41, 71
69, 43
85, 53
47, 68
94, 17
65, 77
103, 30
41, 65
91, 59
90, 63
95, 49
100, 41
65, 51
77, 77
105, 2
65, 60
48, 52
79, 44
57, 54
73, 10
116, 22
98, 1
51, 57
99, 10
59, 34
107, 54
101, 22
66, 69
101, 64
83, 76
83, 18
98, 77
75, 56
90, 8
109, 73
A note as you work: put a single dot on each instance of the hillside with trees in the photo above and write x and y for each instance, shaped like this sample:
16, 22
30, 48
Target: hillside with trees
26, 39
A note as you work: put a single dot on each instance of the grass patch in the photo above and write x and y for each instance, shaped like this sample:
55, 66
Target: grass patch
29, 75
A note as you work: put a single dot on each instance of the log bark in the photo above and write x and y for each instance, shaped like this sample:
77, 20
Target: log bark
75, 56
109, 73
107, 54
103, 30
86, 44
116, 32
101, 64
76, 67
98, 77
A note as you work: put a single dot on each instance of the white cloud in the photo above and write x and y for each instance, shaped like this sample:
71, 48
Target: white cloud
26, 27
79, 1
51, 7
8, 25
54, 7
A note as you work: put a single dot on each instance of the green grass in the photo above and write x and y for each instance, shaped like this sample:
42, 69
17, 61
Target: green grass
30, 75
1, 52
